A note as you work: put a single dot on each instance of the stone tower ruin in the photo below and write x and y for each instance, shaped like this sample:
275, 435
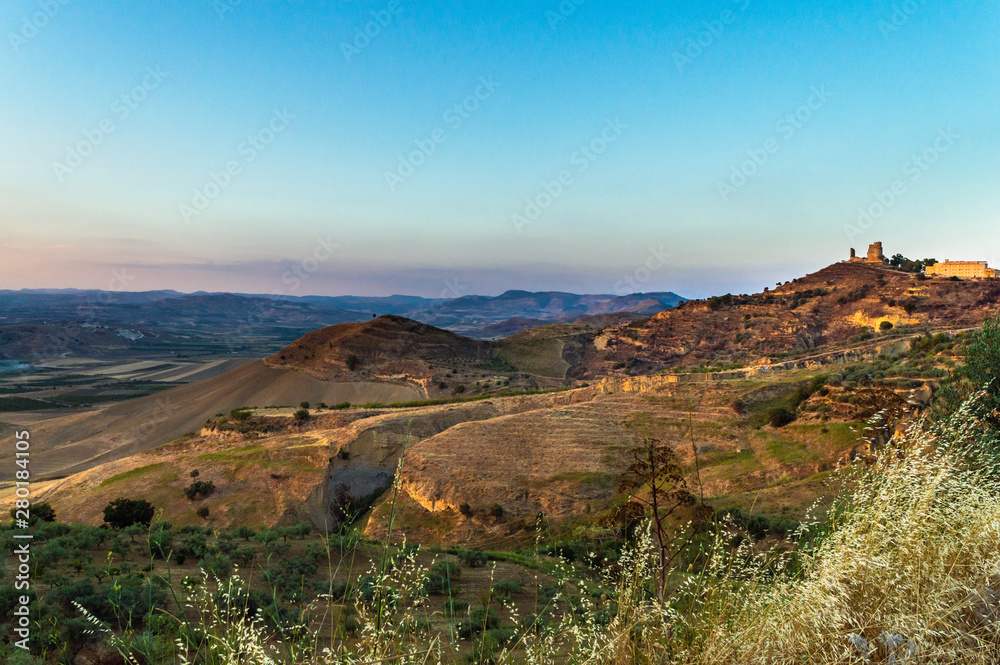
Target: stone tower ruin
874, 256
875, 253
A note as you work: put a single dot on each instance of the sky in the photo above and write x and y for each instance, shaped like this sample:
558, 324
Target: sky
453, 148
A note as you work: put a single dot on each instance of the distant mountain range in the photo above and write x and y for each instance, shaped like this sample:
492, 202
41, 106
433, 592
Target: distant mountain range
252, 323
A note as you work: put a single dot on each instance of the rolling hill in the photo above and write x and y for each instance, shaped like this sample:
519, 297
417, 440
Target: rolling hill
558, 453
841, 304
72, 443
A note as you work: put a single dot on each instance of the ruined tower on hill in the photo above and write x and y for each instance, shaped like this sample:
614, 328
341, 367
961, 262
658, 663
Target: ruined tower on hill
875, 255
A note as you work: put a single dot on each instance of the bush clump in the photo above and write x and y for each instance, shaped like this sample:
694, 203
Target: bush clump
199, 489
122, 513
473, 558
780, 416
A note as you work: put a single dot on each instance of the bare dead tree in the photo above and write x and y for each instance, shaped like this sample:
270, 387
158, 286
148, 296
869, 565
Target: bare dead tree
655, 480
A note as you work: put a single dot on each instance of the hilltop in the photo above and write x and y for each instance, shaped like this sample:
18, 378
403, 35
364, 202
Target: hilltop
841, 304
385, 345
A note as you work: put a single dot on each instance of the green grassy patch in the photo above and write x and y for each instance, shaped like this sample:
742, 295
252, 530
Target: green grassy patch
542, 357
788, 451
837, 436
744, 457
496, 364
168, 477
23, 404
131, 473
256, 455
739, 464
594, 479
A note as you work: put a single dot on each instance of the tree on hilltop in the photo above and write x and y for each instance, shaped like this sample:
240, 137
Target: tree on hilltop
908, 265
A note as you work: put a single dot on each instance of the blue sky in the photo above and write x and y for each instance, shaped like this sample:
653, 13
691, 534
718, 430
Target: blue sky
473, 147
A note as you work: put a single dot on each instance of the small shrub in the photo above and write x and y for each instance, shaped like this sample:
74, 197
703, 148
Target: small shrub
453, 607
473, 558
219, 565
780, 416
507, 588
200, 488
304, 404
43, 512
448, 569
480, 620
302, 415
351, 362
202, 512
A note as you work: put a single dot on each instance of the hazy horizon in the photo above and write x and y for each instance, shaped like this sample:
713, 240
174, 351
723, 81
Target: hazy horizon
470, 149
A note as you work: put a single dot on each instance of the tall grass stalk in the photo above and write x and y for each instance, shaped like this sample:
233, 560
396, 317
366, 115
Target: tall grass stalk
906, 569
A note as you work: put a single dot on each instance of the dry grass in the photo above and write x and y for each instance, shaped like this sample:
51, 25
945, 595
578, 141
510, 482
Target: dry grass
907, 570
